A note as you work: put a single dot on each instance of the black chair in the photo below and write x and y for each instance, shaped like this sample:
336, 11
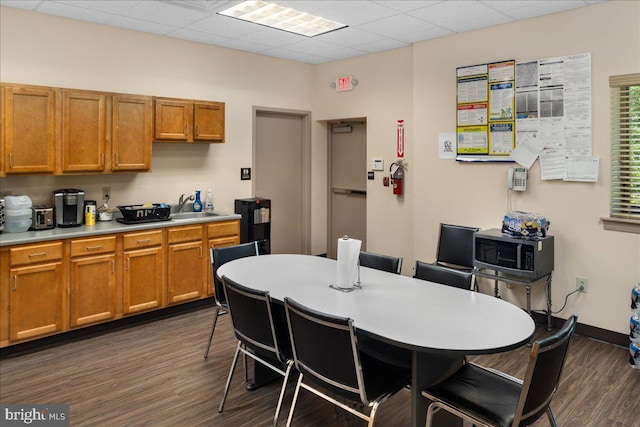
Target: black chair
326, 353
455, 248
261, 333
218, 257
380, 262
491, 398
444, 275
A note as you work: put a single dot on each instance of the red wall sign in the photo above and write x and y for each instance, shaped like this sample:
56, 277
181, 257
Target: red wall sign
400, 138
344, 84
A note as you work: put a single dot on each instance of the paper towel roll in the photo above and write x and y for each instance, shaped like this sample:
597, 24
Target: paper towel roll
348, 254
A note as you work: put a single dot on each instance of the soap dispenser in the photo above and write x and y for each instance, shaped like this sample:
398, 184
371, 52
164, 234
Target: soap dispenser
208, 202
197, 204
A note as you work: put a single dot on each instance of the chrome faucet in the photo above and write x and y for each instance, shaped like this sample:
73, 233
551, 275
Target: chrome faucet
182, 201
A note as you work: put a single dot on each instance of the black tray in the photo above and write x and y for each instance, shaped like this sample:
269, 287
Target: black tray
140, 213
141, 221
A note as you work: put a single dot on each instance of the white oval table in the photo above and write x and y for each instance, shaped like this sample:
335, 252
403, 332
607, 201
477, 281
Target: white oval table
439, 324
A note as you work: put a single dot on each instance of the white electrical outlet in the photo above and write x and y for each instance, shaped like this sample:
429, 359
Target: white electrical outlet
582, 282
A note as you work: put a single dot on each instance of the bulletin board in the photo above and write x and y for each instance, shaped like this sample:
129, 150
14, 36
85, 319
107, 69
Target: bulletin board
485, 111
522, 112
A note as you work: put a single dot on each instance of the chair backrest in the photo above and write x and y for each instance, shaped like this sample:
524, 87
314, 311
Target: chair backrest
443, 275
220, 256
324, 349
252, 319
546, 362
455, 245
380, 262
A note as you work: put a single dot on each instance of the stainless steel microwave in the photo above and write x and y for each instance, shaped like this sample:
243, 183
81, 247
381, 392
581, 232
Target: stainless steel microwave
527, 258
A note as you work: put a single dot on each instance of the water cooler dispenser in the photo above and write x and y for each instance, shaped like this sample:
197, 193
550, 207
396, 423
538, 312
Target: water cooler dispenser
256, 221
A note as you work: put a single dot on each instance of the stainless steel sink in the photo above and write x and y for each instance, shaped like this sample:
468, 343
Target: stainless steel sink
192, 215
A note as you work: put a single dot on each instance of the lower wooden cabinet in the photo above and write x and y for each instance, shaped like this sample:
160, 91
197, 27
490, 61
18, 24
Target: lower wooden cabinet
186, 272
143, 272
52, 287
35, 291
93, 281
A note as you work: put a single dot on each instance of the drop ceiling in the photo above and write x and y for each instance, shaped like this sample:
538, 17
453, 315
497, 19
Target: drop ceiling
373, 26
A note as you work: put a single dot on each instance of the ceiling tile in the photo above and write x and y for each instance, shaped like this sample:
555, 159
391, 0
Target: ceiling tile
74, 12
164, 13
21, 4
108, 6
196, 36
141, 25
396, 25
354, 13
272, 37
373, 26
224, 26
382, 45
531, 9
350, 36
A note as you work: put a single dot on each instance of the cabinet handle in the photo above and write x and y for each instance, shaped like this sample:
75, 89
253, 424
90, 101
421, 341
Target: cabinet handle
10, 160
143, 240
186, 129
117, 160
102, 159
197, 130
39, 254
15, 281
94, 248
128, 263
200, 251
113, 266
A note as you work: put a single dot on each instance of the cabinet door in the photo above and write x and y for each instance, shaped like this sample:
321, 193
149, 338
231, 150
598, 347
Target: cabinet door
186, 274
219, 242
131, 133
29, 130
173, 119
83, 131
35, 302
143, 279
93, 285
208, 118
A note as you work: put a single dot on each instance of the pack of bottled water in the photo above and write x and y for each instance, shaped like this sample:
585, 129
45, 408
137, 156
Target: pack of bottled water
634, 328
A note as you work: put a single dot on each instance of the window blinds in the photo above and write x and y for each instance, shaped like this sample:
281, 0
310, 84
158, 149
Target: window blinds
625, 146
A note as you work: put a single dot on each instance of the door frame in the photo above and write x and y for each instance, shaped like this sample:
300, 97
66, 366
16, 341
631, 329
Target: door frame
306, 164
329, 128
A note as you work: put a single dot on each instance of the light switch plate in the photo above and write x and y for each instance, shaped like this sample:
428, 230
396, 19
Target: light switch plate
377, 164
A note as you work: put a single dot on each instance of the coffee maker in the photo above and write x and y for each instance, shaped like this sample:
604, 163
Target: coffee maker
68, 204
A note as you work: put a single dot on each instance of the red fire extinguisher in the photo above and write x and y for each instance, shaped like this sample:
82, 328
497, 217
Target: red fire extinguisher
397, 177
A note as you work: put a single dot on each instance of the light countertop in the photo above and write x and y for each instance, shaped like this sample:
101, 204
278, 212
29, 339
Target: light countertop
105, 227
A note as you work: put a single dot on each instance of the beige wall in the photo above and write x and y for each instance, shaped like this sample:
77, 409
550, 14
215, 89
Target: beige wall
475, 194
46, 50
416, 84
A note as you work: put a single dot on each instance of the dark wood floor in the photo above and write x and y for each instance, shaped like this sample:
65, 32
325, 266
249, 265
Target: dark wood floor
154, 375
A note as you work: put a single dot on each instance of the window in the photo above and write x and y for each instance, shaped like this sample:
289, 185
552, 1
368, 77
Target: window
625, 152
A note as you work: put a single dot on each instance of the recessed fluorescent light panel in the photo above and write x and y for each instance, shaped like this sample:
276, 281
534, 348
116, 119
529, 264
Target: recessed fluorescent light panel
282, 18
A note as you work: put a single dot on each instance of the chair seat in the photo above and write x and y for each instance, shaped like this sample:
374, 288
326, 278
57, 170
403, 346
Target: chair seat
382, 377
484, 394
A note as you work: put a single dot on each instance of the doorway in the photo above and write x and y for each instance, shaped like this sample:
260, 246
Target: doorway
347, 182
282, 168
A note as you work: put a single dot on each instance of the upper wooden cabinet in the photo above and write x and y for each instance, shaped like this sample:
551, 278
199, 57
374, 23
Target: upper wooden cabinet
66, 131
84, 117
183, 120
29, 129
131, 133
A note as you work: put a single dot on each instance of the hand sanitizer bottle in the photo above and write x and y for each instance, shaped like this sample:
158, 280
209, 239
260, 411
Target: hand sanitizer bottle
208, 202
197, 204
